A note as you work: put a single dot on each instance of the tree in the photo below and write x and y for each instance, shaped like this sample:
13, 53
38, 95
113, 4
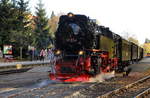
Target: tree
7, 19
42, 29
23, 26
52, 15
134, 40
147, 40
146, 46
130, 37
15, 26
53, 22
14, 3
22, 29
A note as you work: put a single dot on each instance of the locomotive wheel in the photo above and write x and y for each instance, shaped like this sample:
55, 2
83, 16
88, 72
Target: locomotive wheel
95, 68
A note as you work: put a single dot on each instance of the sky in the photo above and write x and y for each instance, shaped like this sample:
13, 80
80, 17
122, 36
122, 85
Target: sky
121, 16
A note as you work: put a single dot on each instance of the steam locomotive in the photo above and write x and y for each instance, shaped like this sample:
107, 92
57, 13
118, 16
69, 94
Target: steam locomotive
86, 49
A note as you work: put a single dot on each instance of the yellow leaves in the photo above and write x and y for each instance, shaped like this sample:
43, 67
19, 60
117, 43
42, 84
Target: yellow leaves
134, 40
53, 23
146, 47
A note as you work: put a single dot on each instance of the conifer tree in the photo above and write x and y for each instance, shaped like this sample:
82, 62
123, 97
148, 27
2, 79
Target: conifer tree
42, 29
14, 23
7, 17
22, 28
52, 15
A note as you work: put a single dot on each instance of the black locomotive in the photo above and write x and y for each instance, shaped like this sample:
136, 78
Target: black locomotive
87, 47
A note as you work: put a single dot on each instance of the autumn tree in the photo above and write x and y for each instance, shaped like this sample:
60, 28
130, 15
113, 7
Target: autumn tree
146, 46
130, 37
53, 22
134, 40
147, 40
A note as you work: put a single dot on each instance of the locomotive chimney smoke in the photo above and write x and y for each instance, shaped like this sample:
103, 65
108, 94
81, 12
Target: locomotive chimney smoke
102, 77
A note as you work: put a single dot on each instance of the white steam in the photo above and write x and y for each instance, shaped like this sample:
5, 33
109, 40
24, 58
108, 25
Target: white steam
102, 77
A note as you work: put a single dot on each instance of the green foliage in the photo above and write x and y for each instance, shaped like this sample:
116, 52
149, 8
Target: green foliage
7, 17
147, 40
42, 29
15, 28
14, 3
23, 28
16, 25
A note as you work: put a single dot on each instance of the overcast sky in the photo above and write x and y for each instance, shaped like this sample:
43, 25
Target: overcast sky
132, 16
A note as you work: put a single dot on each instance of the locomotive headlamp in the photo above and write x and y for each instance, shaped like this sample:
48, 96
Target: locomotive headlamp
70, 15
81, 52
58, 52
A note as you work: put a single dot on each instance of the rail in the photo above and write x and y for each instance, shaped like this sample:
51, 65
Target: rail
125, 88
143, 94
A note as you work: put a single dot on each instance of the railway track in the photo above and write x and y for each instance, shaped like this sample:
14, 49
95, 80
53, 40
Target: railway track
131, 90
144, 94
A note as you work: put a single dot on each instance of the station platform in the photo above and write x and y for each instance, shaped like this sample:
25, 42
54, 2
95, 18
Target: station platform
7, 67
3, 64
141, 66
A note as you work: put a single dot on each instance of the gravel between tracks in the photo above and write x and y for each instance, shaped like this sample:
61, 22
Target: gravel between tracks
133, 91
53, 90
80, 90
111, 84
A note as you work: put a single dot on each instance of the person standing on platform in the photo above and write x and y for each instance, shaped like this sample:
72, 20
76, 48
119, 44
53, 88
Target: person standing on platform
46, 54
30, 55
52, 59
42, 54
51, 55
33, 54
1, 53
